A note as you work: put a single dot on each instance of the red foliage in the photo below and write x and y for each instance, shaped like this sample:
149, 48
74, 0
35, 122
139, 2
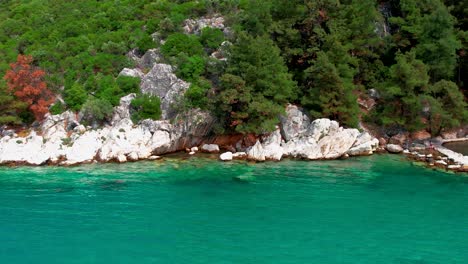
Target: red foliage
27, 83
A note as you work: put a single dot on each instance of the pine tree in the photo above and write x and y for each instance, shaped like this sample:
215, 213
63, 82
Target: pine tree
10, 107
256, 86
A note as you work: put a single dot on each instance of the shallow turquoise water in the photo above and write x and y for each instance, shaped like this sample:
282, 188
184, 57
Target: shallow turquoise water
378, 209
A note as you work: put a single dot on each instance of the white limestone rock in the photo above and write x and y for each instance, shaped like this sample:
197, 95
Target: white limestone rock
137, 73
256, 152
210, 148
365, 145
239, 155
122, 111
121, 158
319, 128
335, 145
194, 26
272, 146
226, 156
393, 148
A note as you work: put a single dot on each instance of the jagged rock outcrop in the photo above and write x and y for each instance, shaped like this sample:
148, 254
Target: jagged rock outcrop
122, 111
150, 58
65, 141
271, 145
61, 143
162, 82
295, 123
194, 26
365, 145
132, 73
256, 152
298, 137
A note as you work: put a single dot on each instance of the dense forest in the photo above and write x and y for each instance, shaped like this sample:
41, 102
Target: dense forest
409, 56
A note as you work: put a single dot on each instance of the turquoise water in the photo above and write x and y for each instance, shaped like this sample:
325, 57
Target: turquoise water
378, 209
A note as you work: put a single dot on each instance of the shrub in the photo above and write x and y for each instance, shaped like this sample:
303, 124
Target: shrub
57, 108
75, 96
182, 43
96, 111
108, 90
195, 96
211, 37
146, 106
128, 84
190, 68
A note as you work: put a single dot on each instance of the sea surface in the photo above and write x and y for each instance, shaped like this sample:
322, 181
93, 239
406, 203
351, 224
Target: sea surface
379, 209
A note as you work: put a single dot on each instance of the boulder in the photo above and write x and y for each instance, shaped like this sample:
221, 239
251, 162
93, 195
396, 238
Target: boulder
382, 142
239, 155
272, 146
122, 111
420, 135
162, 82
133, 156
226, 156
294, 124
364, 149
393, 148
335, 145
121, 158
449, 134
256, 152
398, 139
137, 73
194, 26
150, 58
322, 127
210, 148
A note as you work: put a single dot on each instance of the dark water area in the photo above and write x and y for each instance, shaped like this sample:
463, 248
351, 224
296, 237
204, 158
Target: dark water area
379, 209
460, 147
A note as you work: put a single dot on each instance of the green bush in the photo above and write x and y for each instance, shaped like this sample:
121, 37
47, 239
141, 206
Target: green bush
57, 108
146, 107
108, 90
128, 84
96, 111
195, 96
190, 68
75, 96
211, 37
181, 43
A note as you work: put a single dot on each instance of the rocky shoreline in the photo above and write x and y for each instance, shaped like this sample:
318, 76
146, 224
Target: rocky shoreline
62, 140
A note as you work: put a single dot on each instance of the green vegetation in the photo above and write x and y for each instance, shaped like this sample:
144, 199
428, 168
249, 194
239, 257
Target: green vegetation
322, 55
146, 107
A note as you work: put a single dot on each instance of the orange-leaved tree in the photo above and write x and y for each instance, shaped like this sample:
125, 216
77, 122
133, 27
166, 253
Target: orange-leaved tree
27, 83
